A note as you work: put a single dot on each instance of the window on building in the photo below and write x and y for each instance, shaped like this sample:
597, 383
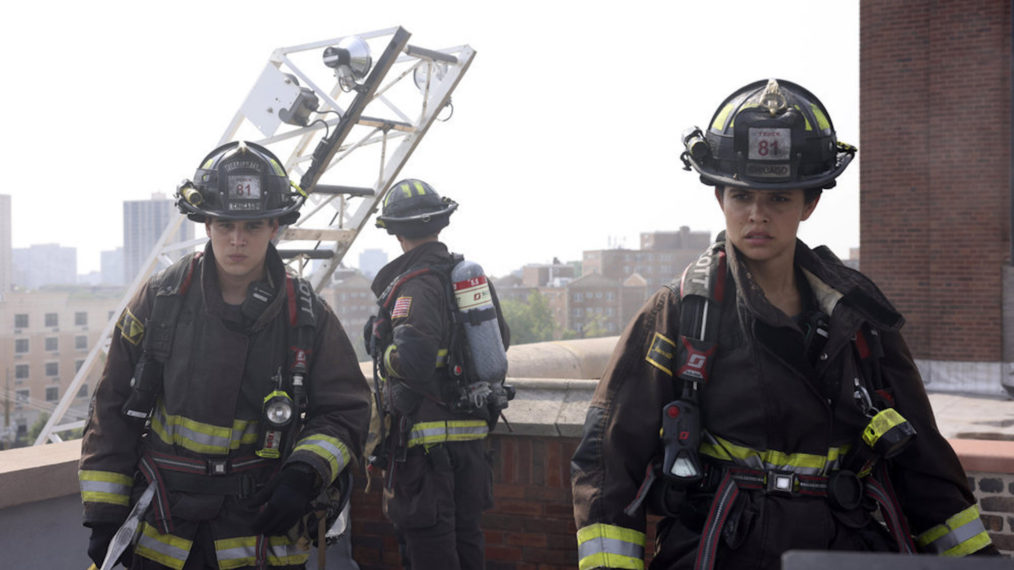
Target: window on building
578, 297
52, 393
81, 342
598, 294
52, 344
83, 392
80, 318
21, 321
52, 320
20, 345
20, 371
22, 395
609, 296
52, 369
78, 364
109, 315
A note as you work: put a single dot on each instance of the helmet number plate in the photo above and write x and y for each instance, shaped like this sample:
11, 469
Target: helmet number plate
770, 144
243, 188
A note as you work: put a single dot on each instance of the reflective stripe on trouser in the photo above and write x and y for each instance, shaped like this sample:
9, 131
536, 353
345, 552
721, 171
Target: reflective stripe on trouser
428, 433
960, 535
330, 449
609, 546
105, 487
772, 459
201, 437
172, 551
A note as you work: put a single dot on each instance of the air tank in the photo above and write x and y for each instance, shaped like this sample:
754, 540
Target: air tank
482, 331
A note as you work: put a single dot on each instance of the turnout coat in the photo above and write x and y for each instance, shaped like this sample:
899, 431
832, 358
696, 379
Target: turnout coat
768, 410
204, 429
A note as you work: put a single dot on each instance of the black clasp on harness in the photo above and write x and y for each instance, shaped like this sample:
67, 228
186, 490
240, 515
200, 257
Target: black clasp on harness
218, 467
781, 482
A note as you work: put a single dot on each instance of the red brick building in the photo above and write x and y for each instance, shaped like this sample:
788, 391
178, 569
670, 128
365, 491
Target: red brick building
935, 178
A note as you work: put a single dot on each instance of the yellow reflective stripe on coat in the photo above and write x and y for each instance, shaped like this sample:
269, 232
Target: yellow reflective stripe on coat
609, 546
330, 449
202, 437
241, 552
428, 433
799, 463
105, 487
166, 549
960, 535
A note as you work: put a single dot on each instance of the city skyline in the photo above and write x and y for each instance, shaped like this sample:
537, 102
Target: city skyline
565, 131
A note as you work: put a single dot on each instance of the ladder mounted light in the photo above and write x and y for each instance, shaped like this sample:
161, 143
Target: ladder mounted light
350, 60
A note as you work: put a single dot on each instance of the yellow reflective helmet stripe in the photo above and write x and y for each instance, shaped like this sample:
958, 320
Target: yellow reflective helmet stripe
800, 463
429, 433
105, 487
719, 123
960, 535
823, 123
609, 546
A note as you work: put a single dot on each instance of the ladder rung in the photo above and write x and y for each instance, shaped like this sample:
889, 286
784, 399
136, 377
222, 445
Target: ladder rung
333, 189
308, 253
294, 233
387, 124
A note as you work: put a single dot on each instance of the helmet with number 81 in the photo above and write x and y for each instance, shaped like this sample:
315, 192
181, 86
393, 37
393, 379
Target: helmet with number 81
768, 135
240, 181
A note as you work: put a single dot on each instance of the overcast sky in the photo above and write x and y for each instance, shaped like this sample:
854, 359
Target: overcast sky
565, 133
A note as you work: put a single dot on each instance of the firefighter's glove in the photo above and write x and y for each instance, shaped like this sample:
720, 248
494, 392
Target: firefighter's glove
285, 499
98, 544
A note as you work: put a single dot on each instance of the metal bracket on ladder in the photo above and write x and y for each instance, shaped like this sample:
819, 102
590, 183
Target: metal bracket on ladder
345, 154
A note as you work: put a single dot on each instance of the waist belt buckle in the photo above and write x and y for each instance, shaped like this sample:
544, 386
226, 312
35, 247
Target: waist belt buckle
781, 482
218, 467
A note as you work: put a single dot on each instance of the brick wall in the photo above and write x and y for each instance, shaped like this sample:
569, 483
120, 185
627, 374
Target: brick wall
934, 168
995, 492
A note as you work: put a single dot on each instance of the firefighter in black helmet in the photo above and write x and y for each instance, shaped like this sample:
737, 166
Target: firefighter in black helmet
436, 471
231, 391
766, 401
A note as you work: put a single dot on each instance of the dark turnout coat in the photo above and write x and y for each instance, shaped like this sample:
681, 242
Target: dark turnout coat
220, 368
767, 410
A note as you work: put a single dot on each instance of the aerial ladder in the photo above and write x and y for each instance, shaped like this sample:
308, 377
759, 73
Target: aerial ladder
344, 115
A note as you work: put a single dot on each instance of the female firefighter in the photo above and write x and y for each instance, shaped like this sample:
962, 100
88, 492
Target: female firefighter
766, 401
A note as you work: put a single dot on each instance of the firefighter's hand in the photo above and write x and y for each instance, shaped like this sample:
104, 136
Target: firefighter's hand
98, 543
285, 499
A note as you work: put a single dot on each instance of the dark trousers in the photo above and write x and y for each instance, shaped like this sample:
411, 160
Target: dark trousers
436, 502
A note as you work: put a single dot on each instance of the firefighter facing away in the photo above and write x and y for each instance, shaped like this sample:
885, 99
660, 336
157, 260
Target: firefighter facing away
766, 401
231, 391
439, 342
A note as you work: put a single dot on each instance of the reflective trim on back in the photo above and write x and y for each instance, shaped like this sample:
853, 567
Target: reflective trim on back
428, 433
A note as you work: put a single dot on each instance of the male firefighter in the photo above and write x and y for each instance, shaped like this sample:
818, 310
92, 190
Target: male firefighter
766, 400
437, 472
231, 391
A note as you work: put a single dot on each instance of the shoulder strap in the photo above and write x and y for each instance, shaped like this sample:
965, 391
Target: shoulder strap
702, 290
170, 288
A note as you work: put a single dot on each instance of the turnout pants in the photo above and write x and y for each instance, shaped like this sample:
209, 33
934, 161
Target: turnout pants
436, 501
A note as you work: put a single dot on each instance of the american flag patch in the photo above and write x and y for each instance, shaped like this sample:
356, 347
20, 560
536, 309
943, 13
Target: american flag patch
401, 307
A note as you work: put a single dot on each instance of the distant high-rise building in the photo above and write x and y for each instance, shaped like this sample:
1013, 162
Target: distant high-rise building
6, 259
662, 256
112, 267
44, 264
371, 261
143, 223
